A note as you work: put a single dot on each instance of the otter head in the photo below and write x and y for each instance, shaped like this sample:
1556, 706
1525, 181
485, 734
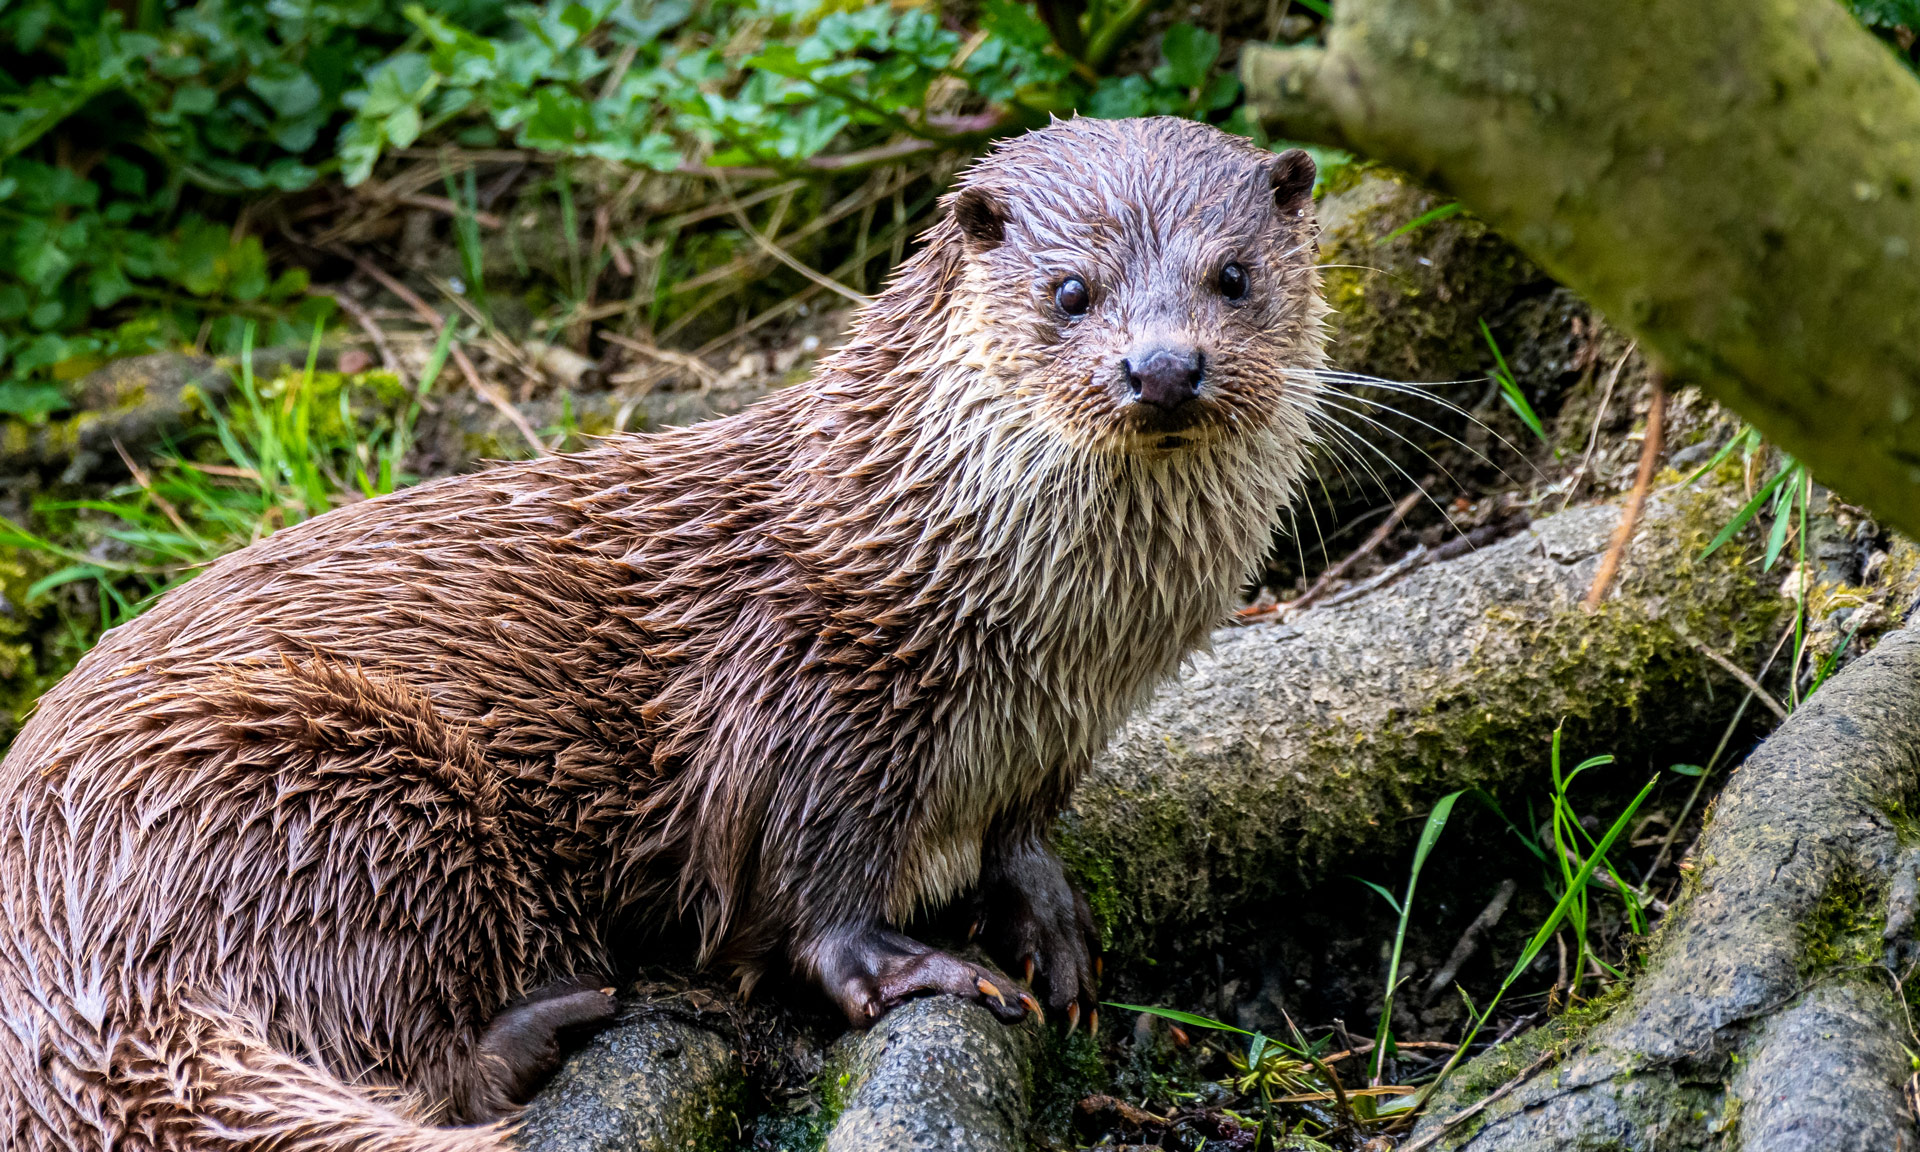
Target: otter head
1143, 285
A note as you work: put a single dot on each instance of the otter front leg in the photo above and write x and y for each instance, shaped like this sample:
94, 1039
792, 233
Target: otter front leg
524, 1044
1034, 922
869, 971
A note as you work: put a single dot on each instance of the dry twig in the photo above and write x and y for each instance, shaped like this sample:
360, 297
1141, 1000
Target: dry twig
366, 322
1642, 480
433, 320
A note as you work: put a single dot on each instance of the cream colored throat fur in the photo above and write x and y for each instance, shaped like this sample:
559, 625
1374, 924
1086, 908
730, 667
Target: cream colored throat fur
1106, 570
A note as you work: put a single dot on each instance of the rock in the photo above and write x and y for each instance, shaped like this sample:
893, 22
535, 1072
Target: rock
655, 1082
138, 402
936, 1075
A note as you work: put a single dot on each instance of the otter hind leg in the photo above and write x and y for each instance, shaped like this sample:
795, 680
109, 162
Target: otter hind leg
870, 971
524, 1044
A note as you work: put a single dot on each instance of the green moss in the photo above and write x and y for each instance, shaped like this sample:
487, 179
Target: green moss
1066, 1068
1495, 1068
1407, 306
1845, 928
807, 1131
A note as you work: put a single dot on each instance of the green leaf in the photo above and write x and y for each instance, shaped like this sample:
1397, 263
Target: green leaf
1887, 13
1424, 219
288, 90
193, 100
1180, 1017
1393, 901
1687, 769
1510, 388
1747, 512
67, 575
31, 400
1190, 54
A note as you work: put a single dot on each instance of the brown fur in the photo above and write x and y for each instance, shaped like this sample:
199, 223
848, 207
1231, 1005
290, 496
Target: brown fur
278, 855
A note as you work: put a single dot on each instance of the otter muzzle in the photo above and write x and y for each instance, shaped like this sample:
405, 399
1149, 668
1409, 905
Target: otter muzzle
1165, 378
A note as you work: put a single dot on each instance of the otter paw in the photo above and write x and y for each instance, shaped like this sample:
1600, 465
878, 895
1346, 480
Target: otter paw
524, 1044
1036, 924
869, 973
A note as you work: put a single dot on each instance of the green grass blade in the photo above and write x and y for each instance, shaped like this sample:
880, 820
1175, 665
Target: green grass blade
1392, 901
1510, 387
1747, 512
1713, 462
1424, 219
1534, 946
1180, 1017
1429, 835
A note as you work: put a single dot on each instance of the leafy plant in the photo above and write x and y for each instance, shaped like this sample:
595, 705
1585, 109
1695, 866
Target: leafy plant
1574, 893
133, 140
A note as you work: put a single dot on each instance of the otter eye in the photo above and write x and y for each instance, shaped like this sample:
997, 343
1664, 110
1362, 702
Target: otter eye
1072, 296
1234, 282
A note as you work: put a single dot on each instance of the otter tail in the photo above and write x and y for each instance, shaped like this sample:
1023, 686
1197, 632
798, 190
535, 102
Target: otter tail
225, 1090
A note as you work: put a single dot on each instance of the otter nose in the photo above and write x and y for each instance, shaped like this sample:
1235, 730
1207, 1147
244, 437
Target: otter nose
1165, 377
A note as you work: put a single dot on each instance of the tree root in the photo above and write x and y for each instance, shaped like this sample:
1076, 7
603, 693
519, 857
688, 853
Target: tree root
936, 1075
1771, 1014
656, 1081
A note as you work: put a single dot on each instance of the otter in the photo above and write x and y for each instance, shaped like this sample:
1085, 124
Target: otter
332, 847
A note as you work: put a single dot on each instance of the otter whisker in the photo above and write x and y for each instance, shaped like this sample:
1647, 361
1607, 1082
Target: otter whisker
1325, 392
1329, 406
1341, 445
1375, 449
1329, 401
1348, 380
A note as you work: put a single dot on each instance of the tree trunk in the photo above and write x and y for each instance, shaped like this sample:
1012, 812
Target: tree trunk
1733, 181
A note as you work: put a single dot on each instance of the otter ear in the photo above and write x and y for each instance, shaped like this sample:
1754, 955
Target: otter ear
982, 221
1291, 176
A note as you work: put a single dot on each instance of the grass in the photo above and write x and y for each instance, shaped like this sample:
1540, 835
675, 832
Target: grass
1786, 498
275, 453
1280, 1072
1429, 835
1510, 388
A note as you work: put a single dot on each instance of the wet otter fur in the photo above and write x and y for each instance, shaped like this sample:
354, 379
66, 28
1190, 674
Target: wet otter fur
330, 846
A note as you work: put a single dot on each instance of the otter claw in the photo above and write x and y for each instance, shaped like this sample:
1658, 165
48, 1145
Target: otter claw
1030, 1004
973, 930
1093, 1023
987, 988
1029, 968
1073, 1017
